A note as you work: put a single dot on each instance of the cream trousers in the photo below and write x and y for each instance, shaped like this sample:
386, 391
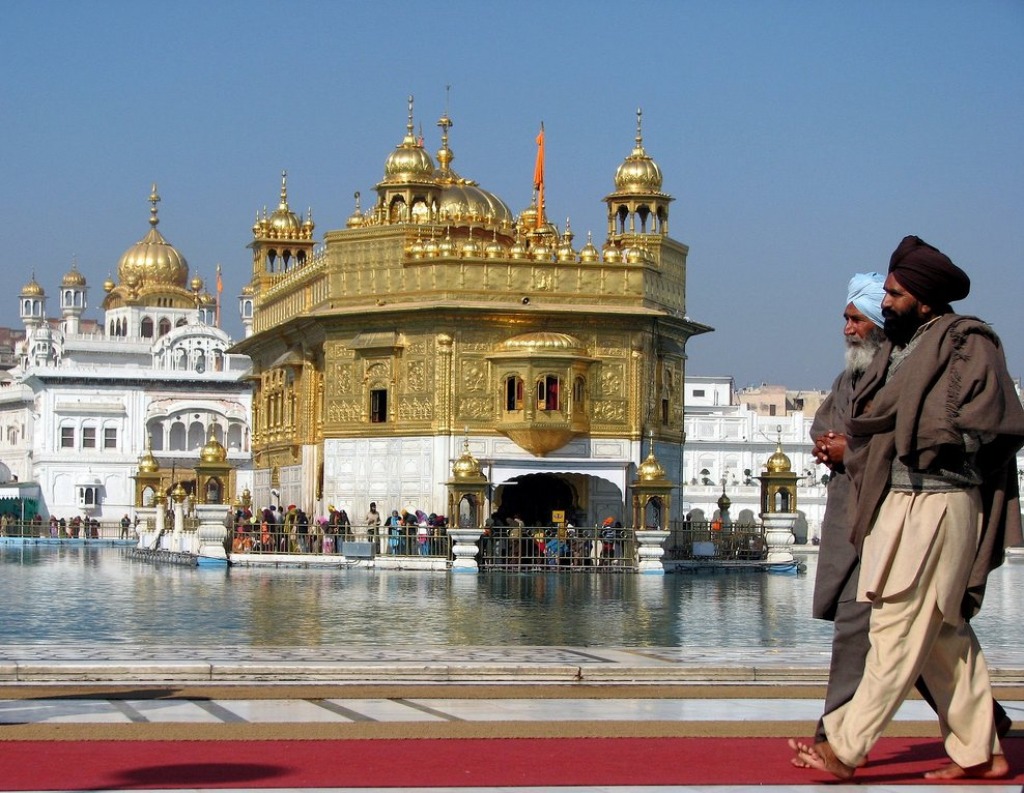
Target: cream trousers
916, 562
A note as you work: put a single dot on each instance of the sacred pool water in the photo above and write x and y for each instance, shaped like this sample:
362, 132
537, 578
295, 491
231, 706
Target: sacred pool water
86, 595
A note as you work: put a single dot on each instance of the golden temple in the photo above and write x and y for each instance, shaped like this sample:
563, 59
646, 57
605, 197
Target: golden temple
438, 321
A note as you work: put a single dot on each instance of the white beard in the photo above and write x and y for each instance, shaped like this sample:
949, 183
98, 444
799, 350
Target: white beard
861, 352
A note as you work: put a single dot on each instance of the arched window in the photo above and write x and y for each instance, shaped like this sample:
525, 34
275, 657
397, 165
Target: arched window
165, 326
196, 435
579, 394
147, 328
176, 437
513, 393
548, 393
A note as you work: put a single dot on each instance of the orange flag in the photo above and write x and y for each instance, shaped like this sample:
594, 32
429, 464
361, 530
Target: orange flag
538, 176
538, 169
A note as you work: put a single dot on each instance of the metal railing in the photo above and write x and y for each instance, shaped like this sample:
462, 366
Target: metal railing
542, 548
86, 530
406, 542
713, 542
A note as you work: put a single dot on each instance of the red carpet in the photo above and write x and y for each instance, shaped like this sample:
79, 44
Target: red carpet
84, 765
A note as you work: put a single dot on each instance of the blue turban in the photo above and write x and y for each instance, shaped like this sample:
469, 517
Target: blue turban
866, 293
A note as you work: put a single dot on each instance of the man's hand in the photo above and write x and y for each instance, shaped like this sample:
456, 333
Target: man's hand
829, 449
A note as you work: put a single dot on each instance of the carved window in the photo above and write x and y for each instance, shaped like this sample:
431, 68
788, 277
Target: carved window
513, 393
165, 326
378, 405
147, 328
548, 393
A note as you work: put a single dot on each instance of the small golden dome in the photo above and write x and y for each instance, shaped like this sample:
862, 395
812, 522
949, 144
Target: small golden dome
213, 452
611, 253
589, 253
471, 248
196, 283
778, 463
467, 466
108, 285
178, 493
283, 222
147, 462
356, 219
446, 248
416, 249
153, 260
541, 252
494, 249
518, 250
409, 162
33, 289
638, 173
633, 254
430, 248
73, 277
650, 470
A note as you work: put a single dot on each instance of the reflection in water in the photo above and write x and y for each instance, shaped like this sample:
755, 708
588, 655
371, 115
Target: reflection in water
80, 595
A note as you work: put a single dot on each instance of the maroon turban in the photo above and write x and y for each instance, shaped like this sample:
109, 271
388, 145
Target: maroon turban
927, 273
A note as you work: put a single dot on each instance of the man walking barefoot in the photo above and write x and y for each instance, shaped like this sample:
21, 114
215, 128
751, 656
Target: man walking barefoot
933, 428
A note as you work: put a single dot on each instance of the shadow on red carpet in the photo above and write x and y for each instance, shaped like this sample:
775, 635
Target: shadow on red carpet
99, 765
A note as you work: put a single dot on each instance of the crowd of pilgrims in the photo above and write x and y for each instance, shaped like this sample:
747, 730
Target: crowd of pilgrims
291, 530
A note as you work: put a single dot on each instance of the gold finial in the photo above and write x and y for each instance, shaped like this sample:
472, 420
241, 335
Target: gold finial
284, 190
355, 195
639, 128
153, 199
409, 126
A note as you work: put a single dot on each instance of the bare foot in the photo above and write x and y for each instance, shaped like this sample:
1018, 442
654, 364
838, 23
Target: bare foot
819, 756
996, 768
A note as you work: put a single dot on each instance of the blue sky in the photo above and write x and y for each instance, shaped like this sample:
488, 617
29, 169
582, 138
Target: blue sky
801, 140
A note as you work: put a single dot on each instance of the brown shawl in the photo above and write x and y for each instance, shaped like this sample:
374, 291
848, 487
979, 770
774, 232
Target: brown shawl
954, 381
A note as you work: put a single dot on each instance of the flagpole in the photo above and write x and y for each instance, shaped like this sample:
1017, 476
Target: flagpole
220, 288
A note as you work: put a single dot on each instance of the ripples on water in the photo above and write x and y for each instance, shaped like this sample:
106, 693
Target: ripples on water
81, 595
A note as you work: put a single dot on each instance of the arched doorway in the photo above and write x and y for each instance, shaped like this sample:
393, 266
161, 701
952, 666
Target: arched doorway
534, 497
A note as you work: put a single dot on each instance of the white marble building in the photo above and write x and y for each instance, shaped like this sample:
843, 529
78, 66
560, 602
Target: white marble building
729, 444
86, 397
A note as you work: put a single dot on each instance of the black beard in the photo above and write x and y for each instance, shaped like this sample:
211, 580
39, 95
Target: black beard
900, 329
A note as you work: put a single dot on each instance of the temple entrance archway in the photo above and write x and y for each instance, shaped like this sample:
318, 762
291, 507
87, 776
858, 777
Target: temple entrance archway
534, 497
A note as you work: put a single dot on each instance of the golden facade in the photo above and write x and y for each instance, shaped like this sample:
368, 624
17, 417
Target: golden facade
437, 317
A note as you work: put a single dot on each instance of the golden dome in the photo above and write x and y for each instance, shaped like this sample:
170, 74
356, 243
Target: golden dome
213, 452
73, 277
494, 249
611, 253
179, 493
284, 223
33, 289
650, 470
153, 260
356, 219
409, 162
544, 341
147, 462
466, 201
108, 285
778, 463
638, 173
589, 253
467, 466
471, 248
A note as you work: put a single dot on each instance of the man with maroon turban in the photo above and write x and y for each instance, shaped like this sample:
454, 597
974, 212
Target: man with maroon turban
933, 427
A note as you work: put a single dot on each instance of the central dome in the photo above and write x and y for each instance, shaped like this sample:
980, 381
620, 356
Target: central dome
153, 260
